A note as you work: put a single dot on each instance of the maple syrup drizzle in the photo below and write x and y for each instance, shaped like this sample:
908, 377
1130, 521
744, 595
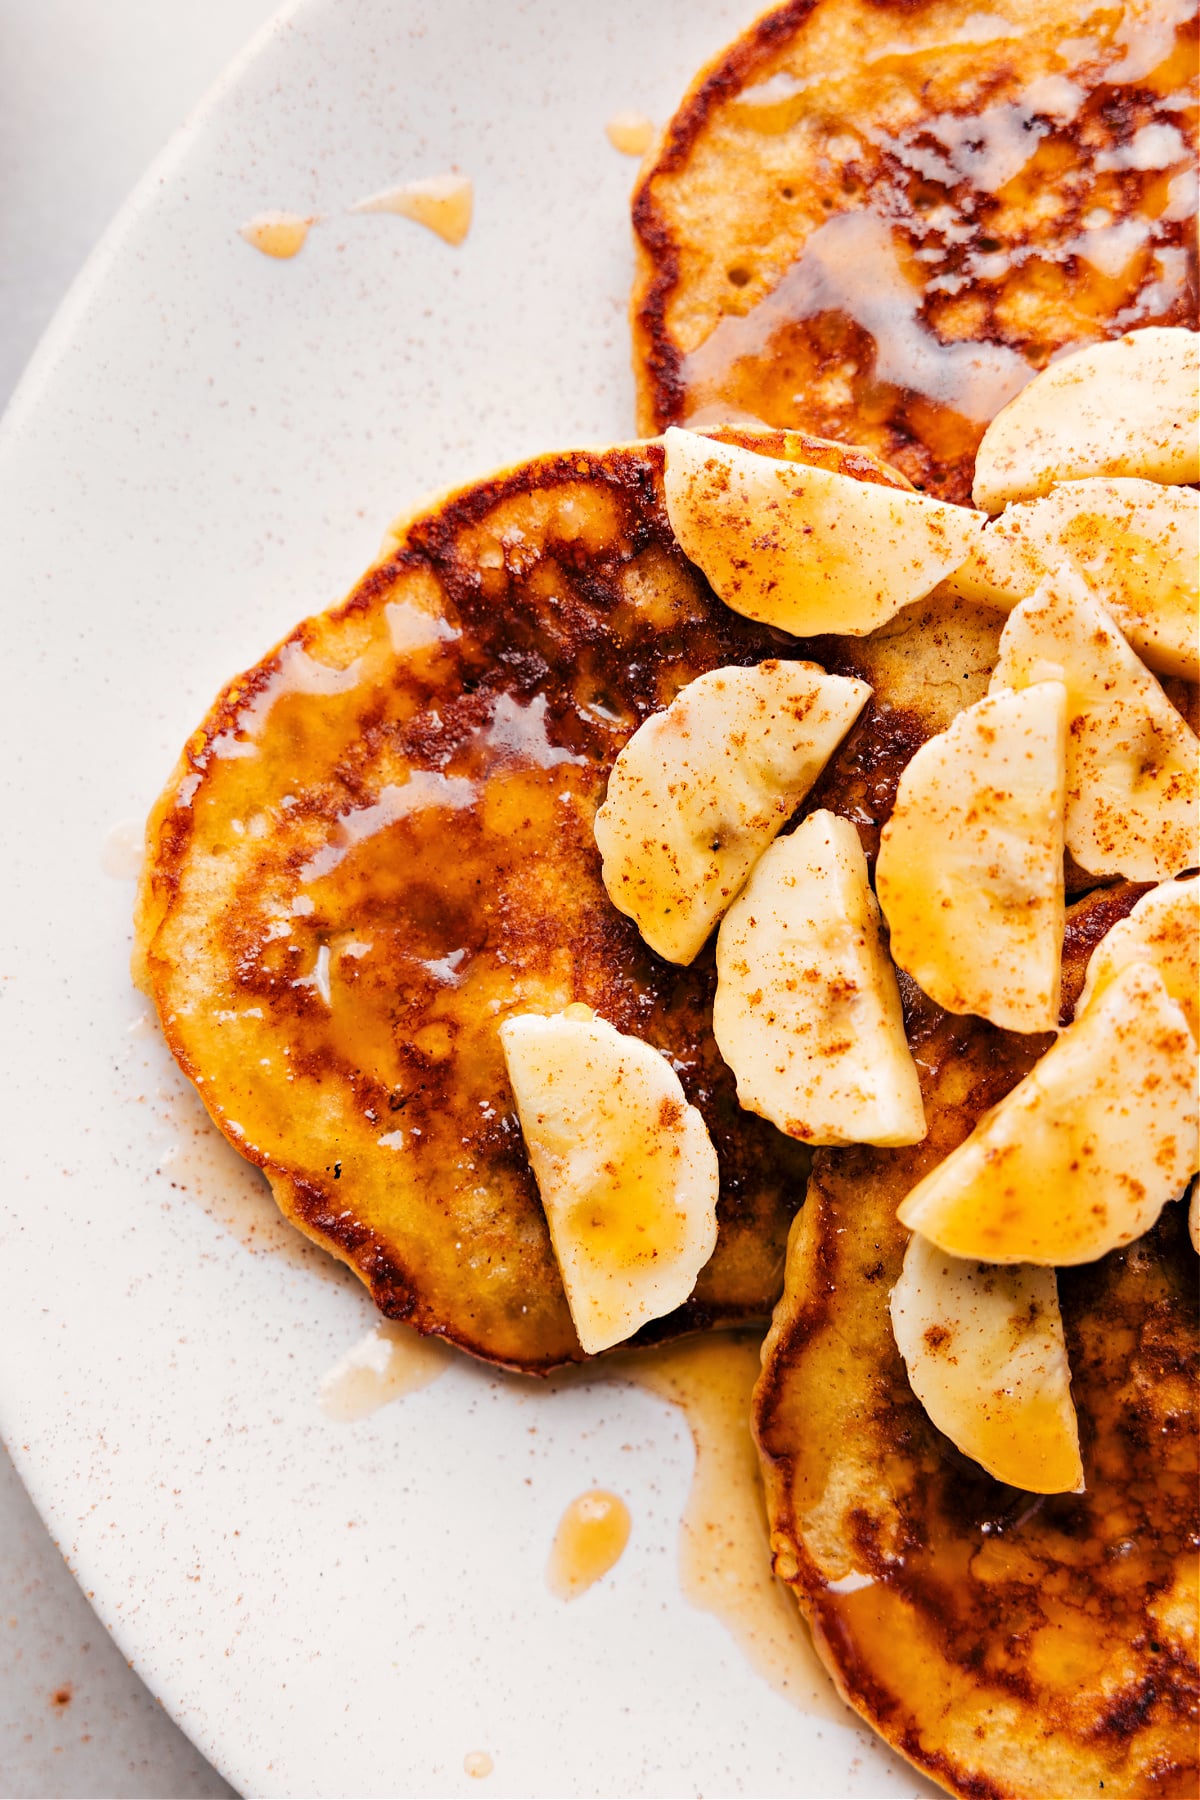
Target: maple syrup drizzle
724, 1550
850, 266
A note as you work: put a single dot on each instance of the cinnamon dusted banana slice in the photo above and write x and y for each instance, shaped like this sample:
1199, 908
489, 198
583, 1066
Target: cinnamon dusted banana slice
1163, 929
807, 1010
970, 868
625, 1167
1083, 1154
986, 1356
1132, 762
1126, 407
700, 790
807, 549
1136, 543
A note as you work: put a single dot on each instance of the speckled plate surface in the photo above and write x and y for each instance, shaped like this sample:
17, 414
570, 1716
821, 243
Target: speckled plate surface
209, 445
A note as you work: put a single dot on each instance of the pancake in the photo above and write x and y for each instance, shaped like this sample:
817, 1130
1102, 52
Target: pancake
379, 843
874, 219
1008, 1644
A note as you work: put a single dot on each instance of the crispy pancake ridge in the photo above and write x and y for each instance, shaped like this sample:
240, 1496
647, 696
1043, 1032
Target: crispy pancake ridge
379, 844
876, 219
1009, 1644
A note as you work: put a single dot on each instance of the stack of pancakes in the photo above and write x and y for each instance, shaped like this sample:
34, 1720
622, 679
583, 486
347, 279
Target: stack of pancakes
867, 223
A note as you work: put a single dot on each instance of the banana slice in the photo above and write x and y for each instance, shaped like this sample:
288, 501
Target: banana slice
626, 1169
1085, 1152
1163, 929
1127, 407
807, 549
970, 867
807, 1010
700, 790
1133, 765
1136, 544
986, 1356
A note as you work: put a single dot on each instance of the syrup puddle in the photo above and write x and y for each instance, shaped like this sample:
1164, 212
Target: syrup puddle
443, 203
724, 1549
630, 133
123, 850
391, 1360
590, 1540
278, 234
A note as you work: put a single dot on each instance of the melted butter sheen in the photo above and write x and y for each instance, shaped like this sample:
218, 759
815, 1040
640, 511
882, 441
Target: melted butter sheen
590, 1540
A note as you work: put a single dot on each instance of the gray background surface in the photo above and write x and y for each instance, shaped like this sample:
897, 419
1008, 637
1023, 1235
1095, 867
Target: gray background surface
90, 91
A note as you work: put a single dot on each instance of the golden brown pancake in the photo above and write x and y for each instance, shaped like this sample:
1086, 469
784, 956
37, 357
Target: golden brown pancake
874, 219
379, 843
1010, 1644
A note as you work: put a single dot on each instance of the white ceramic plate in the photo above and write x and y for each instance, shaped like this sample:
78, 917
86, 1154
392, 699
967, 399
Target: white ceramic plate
208, 446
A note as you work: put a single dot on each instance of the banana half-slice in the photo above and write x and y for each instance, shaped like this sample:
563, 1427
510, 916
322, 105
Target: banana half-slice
1136, 544
803, 548
626, 1169
1163, 929
1133, 764
1083, 1154
970, 866
986, 1356
807, 1010
700, 790
1130, 406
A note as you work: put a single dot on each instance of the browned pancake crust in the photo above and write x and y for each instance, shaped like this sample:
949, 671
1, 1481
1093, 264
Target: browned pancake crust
1010, 1645
952, 210
331, 962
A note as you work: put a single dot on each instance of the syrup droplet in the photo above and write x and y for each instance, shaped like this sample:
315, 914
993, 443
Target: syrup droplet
630, 133
477, 1764
278, 234
591, 1537
390, 1361
124, 850
442, 202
